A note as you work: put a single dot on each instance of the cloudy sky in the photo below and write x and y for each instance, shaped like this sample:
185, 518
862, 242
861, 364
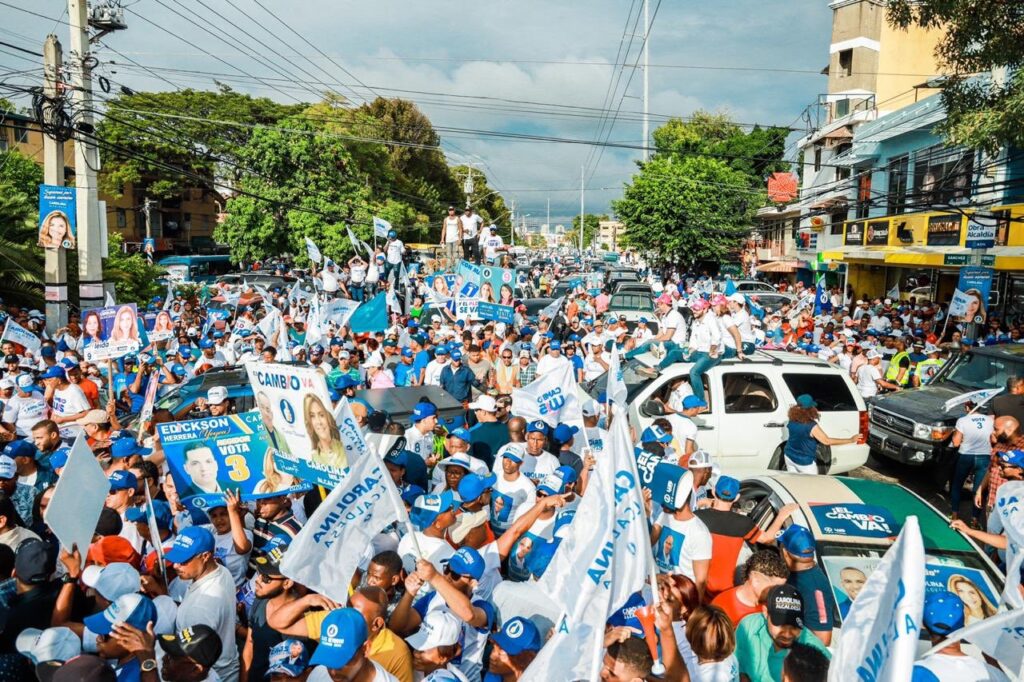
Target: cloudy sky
532, 67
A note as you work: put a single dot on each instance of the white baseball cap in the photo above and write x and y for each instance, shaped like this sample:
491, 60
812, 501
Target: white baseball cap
6, 382
700, 459
439, 628
373, 361
112, 580
217, 395
485, 403
51, 644
872, 354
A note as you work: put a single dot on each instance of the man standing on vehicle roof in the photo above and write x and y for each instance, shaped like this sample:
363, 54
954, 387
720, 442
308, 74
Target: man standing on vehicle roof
470, 224
451, 236
394, 249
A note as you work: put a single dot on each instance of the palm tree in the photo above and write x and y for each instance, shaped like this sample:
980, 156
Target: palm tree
21, 260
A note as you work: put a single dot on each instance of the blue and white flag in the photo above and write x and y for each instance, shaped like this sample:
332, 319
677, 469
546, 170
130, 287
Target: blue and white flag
371, 316
352, 239
615, 388
381, 227
312, 251
604, 559
551, 398
894, 293
321, 556
730, 286
755, 309
16, 333
338, 311
822, 300
958, 304
979, 398
349, 431
550, 310
880, 633
999, 636
270, 323
109, 300
1010, 510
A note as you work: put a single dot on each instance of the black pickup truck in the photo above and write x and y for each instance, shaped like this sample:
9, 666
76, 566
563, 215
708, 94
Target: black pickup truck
913, 427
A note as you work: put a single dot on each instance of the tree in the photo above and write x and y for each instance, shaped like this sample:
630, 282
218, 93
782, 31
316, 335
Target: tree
982, 111
485, 201
686, 209
592, 223
21, 261
135, 280
23, 174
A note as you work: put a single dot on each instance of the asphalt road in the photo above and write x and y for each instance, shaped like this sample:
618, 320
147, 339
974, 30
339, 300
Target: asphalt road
923, 480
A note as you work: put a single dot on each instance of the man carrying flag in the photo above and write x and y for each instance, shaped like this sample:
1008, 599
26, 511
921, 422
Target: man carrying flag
822, 300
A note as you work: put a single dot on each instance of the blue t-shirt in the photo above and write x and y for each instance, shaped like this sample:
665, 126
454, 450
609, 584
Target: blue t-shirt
404, 374
819, 604
801, 446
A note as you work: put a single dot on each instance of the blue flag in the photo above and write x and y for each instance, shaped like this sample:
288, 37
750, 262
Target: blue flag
755, 310
371, 316
730, 287
822, 301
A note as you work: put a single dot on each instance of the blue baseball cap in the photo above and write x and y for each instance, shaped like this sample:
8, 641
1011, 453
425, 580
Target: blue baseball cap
555, 345
185, 351
407, 352
537, 426
462, 434
467, 561
392, 234
798, 541
162, 514
943, 613
68, 363
513, 454
422, 411
526, 331
472, 486
1014, 458
456, 354
518, 635
411, 492
55, 372
563, 433
21, 448
692, 401
189, 543
48, 352
133, 609
806, 401
441, 350
342, 633
122, 480
59, 459
218, 334
126, 447
727, 488
398, 459
206, 343
655, 434
426, 508
556, 482
345, 381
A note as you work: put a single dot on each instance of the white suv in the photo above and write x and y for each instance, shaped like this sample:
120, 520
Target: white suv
744, 426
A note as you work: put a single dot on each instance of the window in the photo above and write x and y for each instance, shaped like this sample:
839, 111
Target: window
864, 194
828, 390
20, 133
817, 159
747, 393
942, 175
838, 218
846, 62
122, 218
897, 198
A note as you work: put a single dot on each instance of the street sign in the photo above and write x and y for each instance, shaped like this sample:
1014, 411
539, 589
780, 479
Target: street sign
965, 259
980, 236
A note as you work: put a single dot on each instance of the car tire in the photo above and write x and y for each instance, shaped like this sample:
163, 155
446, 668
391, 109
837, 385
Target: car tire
823, 458
777, 462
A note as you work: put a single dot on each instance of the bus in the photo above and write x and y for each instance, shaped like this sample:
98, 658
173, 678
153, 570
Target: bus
201, 269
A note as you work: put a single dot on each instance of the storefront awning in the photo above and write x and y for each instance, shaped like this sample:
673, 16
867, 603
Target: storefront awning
779, 266
876, 253
1000, 257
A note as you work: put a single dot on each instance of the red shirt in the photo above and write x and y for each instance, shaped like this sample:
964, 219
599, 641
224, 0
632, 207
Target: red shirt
733, 607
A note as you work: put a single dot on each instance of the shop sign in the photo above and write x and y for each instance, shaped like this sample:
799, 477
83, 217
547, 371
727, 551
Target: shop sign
854, 234
965, 259
878, 233
944, 230
980, 236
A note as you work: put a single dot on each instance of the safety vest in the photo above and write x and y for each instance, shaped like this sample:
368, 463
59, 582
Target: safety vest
894, 368
926, 369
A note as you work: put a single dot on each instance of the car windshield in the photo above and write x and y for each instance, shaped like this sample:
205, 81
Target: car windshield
977, 371
964, 573
164, 402
634, 380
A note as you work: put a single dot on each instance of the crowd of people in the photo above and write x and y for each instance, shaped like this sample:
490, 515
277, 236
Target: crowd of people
490, 494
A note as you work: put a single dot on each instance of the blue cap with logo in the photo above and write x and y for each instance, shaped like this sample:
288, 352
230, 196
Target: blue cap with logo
126, 447
342, 633
462, 434
467, 561
426, 508
1013, 458
122, 480
798, 541
161, 511
21, 448
472, 486
133, 609
564, 432
556, 482
514, 454
691, 401
943, 613
537, 426
518, 635
655, 434
727, 489
55, 372
190, 543
206, 343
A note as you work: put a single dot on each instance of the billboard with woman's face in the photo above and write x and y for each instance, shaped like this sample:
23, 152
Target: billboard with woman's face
110, 332
57, 218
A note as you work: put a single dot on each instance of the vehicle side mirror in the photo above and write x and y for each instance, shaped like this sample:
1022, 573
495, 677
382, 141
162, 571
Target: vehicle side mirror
652, 408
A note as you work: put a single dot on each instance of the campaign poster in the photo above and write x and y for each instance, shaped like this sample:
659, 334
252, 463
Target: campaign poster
159, 326
57, 217
855, 520
111, 332
468, 272
444, 284
466, 303
975, 282
298, 418
848, 576
210, 455
497, 294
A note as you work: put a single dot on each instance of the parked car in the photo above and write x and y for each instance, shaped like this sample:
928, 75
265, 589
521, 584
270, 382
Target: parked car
632, 307
854, 521
626, 287
771, 301
745, 424
912, 426
746, 286
613, 277
535, 305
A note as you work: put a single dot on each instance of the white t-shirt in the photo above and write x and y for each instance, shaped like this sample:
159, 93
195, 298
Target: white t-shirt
724, 323
683, 428
451, 230
330, 281
320, 674
727, 670
673, 320
25, 412
470, 225
741, 318
536, 468
420, 443
393, 251
515, 498
867, 375
357, 274
70, 400
432, 373
705, 333
947, 668
211, 601
491, 246
225, 552
592, 369
680, 544
976, 428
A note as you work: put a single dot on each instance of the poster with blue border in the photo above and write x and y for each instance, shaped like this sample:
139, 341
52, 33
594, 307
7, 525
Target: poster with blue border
58, 220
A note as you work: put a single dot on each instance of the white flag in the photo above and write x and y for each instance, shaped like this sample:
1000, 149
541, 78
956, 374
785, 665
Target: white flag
314, 332
21, 336
352, 239
998, 636
109, 300
1010, 508
368, 249
551, 309
323, 556
958, 304
349, 431
312, 251
979, 398
270, 323
381, 227
880, 634
338, 311
605, 558
170, 294
894, 293
615, 388
551, 398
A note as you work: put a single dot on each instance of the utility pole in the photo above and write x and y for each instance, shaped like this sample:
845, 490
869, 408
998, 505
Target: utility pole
583, 172
512, 236
56, 264
87, 162
467, 186
647, 89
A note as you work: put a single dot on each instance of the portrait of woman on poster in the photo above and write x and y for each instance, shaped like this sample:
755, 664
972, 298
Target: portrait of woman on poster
92, 328
55, 231
125, 328
507, 297
975, 307
163, 323
323, 434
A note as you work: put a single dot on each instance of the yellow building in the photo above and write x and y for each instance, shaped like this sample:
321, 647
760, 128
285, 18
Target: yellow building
182, 224
609, 232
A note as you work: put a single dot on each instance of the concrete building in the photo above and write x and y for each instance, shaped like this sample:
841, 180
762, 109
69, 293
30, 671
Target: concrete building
609, 232
181, 224
873, 70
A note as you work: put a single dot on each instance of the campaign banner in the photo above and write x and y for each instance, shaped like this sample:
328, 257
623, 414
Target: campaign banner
976, 283
338, 311
467, 272
595, 282
159, 326
111, 332
855, 520
980, 236
1000, 636
443, 284
1010, 512
296, 409
497, 285
465, 304
15, 333
495, 312
551, 398
210, 455
57, 217
149, 248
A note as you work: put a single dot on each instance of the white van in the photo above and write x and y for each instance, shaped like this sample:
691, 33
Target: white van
744, 426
